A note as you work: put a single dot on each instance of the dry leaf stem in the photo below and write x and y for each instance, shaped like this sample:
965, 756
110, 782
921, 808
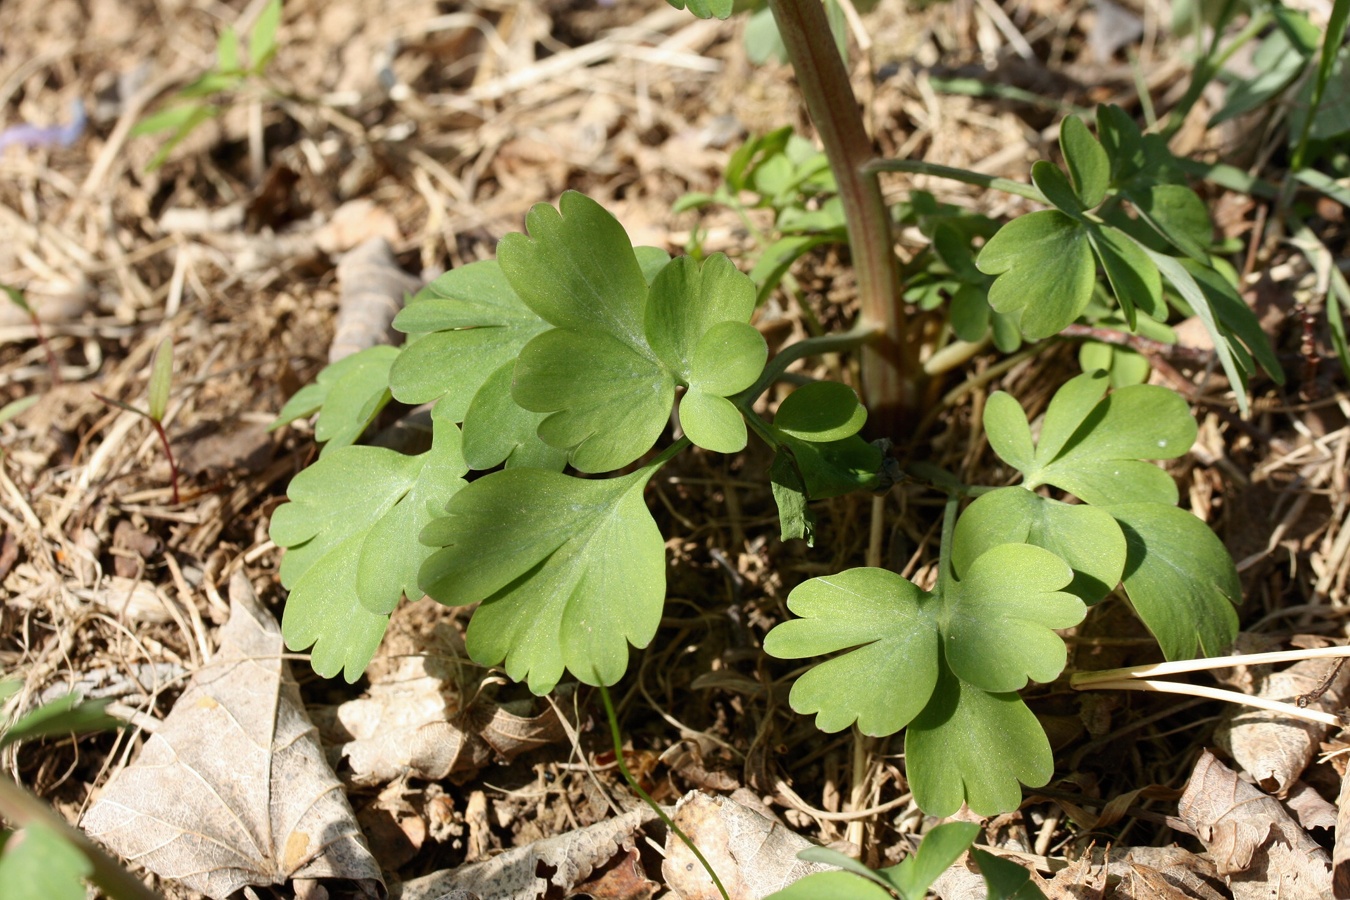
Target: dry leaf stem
1143, 678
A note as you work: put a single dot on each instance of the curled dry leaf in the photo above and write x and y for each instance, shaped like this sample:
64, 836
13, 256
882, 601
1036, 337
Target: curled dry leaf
1275, 749
752, 856
233, 789
373, 288
1252, 838
407, 724
553, 867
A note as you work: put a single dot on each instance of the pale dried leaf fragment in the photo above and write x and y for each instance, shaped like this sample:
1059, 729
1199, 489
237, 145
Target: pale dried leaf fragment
753, 856
1252, 838
553, 867
1275, 749
233, 789
372, 291
407, 724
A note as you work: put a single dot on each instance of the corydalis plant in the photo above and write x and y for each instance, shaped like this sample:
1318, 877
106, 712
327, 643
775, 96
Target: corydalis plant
946, 663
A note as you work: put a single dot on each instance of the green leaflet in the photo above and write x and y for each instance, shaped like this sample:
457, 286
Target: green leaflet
497, 430
1085, 537
351, 536
1092, 446
922, 655
997, 620
889, 628
1046, 271
971, 746
1180, 578
605, 376
471, 322
910, 879
347, 395
569, 571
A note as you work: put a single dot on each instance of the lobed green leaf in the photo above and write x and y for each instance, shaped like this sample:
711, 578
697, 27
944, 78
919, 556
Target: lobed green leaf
1180, 579
350, 530
1045, 268
888, 627
347, 394
569, 572
972, 746
1089, 166
463, 327
997, 622
1093, 447
1085, 537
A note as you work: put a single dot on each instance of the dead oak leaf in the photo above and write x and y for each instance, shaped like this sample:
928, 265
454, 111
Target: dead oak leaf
233, 789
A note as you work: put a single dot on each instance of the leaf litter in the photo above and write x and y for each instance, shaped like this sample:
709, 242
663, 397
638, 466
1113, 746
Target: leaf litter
634, 107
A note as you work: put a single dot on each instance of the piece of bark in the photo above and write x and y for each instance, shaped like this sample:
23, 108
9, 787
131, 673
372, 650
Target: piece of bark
372, 290
233, 789
1252, 839
752, 856
552, 867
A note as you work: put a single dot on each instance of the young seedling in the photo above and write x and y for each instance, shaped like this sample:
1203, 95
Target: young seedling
157, 404
203, 99
17, 298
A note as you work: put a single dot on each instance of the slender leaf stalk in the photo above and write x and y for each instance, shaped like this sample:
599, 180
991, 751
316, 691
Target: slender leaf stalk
617, 737
1209, 693
890, 371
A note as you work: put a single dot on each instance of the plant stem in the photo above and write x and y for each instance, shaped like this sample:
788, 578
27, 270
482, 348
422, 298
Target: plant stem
617, 737
965, 176
1340, 13
855, 337
890, 370
168, 454
1211, 64
1210, 693
20, 808
1153, 670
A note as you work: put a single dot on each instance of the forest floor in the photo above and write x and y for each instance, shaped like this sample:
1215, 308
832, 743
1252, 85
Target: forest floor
437, 125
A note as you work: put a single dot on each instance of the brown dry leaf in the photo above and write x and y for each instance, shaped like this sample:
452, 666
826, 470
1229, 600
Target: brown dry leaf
1310, 808
753, 856
553, 867
233, 789
1275, 749
407, 725
1340, 853
1253, 840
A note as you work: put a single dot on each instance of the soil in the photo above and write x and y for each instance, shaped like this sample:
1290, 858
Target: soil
437, 125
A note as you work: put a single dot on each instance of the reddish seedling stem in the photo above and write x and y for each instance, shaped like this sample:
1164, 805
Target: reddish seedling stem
163, 440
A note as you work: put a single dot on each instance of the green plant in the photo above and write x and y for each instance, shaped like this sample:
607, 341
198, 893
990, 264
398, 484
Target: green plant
157, 404
911, 878
238, 64
41, 856
573, 349
18, 299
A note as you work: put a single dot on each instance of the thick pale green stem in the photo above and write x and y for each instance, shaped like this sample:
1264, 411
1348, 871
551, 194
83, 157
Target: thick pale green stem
889, 365
20, 808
